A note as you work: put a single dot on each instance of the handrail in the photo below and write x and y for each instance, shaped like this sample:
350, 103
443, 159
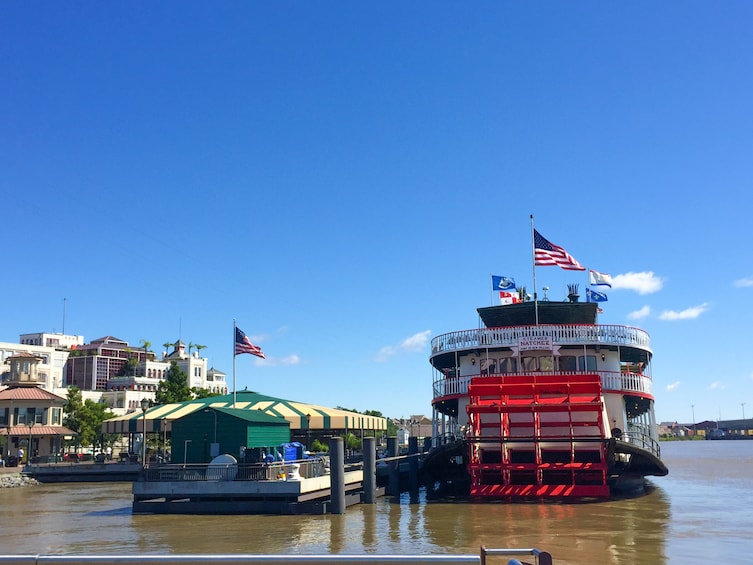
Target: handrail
308, 468
559, 333
644, 440
614, 381
542, 558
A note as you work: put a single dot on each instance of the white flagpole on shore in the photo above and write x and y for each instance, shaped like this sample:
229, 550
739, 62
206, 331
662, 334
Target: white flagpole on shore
234, 388
535, 294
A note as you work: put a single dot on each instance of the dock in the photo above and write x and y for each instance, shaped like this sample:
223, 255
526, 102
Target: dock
82, 472
242, 489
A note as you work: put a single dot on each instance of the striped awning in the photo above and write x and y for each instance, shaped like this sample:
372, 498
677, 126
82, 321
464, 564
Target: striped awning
301, 416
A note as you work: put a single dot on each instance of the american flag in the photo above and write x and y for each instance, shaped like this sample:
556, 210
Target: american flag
547, 254
244, 345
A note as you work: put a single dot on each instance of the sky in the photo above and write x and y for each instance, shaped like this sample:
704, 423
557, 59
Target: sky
341, 179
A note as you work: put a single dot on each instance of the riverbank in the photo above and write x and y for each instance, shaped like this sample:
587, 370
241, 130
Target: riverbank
11, 477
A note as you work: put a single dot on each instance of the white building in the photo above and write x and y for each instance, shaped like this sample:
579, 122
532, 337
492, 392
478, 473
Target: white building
52, 340
51, 368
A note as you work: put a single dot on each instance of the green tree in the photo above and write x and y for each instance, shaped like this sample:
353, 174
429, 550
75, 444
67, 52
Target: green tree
85, 417
147, 345
203, 393
174, 388
72, 409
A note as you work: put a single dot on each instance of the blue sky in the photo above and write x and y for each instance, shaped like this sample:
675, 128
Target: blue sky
342, 179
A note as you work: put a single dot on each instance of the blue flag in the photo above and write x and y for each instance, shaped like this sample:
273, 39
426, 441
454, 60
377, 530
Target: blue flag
595, 296
503, 283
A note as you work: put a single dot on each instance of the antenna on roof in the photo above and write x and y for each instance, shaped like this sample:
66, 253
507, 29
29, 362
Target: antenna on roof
64, 300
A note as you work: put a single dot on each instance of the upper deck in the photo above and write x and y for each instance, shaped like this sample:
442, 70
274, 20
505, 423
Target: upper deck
558, 323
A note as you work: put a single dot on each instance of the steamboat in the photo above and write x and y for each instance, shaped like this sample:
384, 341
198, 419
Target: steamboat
542, 402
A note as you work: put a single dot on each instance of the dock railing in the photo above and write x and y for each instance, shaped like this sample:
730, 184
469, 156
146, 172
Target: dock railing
305, 469
540, 558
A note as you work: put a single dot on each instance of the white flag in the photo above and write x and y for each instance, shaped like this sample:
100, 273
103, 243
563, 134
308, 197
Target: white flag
595, 277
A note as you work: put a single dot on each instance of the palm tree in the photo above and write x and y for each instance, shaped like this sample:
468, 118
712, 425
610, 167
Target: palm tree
199, 348
191, 345
167, 346
147, 345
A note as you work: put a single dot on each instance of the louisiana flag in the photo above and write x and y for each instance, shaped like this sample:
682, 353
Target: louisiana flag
244, 345
503, 283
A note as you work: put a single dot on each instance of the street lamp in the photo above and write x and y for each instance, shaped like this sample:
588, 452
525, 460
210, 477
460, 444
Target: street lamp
144, 407
185, 451
214, 413
214, 443
308, 432
28, 447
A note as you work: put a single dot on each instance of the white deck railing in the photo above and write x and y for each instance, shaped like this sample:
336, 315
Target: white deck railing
560, 334
611, 381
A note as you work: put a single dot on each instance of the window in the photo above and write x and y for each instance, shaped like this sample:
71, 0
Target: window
508, 365
587, 363
568, 363
546, 364
528, 364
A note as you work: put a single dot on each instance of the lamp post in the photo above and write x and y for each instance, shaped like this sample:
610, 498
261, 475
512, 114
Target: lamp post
308, 432
28, 447
144, 407
214, 443
185, 452
745, 432
214, 413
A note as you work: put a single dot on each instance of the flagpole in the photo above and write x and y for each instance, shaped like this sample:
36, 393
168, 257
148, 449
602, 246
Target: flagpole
234, 388
533, 257
491, 290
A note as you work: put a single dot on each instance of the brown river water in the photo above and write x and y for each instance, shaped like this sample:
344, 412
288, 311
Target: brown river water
702, 512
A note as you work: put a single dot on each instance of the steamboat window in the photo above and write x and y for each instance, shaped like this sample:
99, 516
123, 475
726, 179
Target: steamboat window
508, 365
568, 363
529, 363
546, 364
587, 363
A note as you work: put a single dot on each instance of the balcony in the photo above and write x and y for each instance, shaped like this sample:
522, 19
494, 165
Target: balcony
611, 381
560, 334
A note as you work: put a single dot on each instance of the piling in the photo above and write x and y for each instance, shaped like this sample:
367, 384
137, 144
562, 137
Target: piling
413, 464
393, 478
369, 470
337, 474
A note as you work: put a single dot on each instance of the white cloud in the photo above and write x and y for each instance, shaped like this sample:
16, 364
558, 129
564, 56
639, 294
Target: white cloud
642, 283
744, 282
276, 361
639, 314
716, 385
385, 353
673, 386
688, 314
416, 342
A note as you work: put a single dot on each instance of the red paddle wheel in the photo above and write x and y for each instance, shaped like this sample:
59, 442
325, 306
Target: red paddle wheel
537, 436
